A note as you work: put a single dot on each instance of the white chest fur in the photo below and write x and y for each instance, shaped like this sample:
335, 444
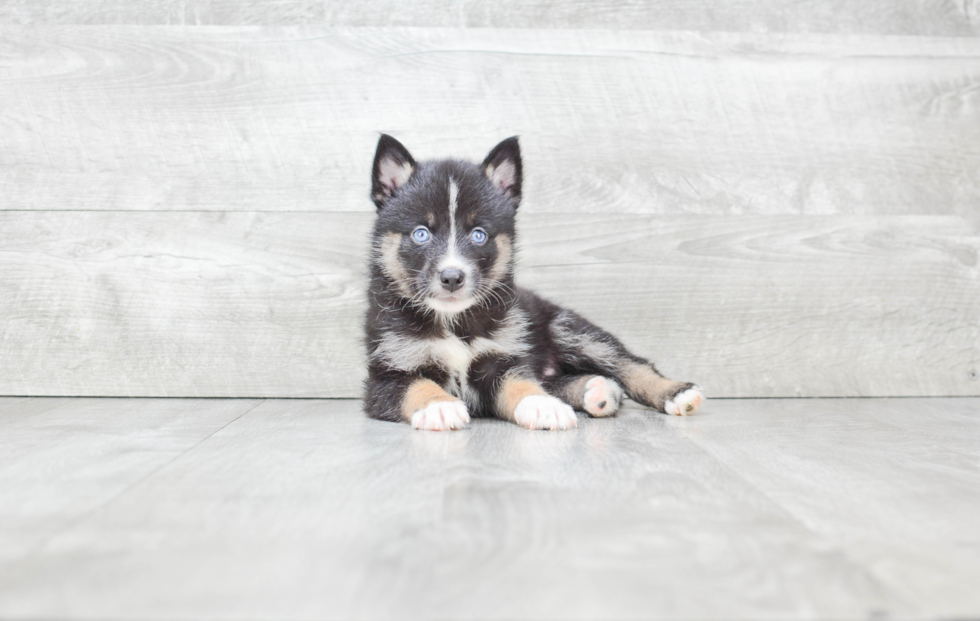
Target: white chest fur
455, 356
452, 354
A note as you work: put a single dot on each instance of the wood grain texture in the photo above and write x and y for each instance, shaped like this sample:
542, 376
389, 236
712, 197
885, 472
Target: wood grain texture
875, 495
799, 509
62, 460
909, 17
172, 304
286, 118
233, 304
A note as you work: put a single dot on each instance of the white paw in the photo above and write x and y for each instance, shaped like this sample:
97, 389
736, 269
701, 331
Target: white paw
602, 396
441, 415
685, 403
544, 412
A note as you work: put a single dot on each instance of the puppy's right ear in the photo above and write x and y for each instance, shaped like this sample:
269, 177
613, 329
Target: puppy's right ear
393, 166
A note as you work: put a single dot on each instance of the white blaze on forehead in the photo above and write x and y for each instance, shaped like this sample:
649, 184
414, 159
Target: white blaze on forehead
452, 258
453, 196
453, 204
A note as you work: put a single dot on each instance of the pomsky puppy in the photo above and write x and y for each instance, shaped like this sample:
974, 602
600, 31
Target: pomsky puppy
449, 334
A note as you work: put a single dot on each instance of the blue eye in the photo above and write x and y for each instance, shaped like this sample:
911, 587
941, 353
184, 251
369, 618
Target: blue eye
479, 236
421, 235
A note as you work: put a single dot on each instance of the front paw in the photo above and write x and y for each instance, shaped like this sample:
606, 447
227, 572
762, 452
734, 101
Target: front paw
544, 412
441, 416
684, 403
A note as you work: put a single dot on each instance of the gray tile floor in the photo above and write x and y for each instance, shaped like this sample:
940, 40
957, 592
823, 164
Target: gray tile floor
304, 509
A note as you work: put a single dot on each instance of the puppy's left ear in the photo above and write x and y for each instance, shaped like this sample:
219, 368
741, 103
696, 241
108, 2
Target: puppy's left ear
503, 168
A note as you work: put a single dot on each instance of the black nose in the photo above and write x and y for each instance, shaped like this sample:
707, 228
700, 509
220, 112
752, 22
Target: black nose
452, 279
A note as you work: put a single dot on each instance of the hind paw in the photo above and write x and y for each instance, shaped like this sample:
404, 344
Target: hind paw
684, 403
602, 396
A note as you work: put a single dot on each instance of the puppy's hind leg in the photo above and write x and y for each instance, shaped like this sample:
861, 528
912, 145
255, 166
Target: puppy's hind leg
587, 349
596, 395
645, 385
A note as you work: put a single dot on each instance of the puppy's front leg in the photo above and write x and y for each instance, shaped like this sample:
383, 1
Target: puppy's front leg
427, 406
414, 399
525, 402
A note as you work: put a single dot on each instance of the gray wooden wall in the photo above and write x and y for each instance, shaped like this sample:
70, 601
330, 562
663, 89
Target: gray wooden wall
769, 197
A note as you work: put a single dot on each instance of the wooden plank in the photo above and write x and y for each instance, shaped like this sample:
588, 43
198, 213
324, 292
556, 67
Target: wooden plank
893, 482
240, 304
308, 510
788, 306
910, 17
15, 409
182, 304
286, 119
65, 459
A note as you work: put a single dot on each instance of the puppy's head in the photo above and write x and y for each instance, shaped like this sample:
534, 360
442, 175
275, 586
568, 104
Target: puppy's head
445, 230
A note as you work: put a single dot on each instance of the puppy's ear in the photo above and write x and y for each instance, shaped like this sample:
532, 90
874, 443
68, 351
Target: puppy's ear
503, 168
393, 167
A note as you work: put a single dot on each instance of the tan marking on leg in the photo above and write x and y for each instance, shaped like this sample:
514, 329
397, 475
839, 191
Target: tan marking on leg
574, 392
645, 385
504, 252
421, 393
391, 263
512, 391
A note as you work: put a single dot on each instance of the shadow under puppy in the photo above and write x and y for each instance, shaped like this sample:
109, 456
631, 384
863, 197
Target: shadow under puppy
449, 334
